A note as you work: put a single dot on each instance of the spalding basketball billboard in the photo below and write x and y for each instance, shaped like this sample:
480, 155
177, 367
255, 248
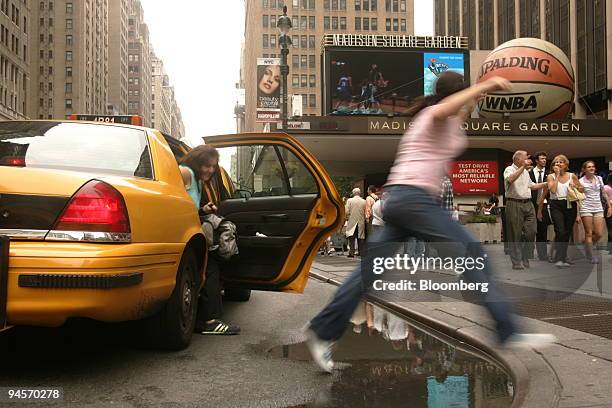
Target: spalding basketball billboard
542, 81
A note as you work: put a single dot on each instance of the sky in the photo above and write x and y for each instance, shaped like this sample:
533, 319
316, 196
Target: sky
201, 53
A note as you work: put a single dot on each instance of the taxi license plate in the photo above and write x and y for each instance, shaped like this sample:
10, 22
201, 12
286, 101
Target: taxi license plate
4, 259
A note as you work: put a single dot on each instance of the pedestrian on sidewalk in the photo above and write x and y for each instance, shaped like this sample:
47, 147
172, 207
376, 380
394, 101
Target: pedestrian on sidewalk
520, 213
562, 184
592, 209
355, 228
370, 200
412, 209
608, 192
538, 174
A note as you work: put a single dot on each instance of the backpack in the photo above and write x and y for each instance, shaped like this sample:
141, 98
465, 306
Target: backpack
220, 235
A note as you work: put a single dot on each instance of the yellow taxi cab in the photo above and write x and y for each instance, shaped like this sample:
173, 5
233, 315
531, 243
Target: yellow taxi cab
96, 223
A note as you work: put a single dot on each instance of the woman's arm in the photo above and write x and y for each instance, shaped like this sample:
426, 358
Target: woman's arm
452, 104
552, 182
186, 175
577, 183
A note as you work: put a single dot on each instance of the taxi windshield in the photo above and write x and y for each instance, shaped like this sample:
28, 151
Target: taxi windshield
82, 147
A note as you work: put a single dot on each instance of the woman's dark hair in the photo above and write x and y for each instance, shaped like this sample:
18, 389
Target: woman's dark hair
199, 156
448, 83
609, 179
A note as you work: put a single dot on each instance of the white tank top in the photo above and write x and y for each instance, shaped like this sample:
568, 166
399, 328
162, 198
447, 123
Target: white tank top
562, 188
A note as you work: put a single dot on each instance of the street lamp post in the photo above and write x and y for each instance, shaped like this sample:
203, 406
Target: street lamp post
284, 25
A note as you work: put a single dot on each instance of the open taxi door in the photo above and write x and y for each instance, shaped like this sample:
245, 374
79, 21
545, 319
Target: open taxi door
284, 206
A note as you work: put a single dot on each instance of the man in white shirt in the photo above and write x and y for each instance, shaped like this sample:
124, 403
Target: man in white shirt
520, 214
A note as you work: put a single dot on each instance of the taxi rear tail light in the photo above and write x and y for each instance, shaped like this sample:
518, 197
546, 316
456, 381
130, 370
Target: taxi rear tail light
96, 213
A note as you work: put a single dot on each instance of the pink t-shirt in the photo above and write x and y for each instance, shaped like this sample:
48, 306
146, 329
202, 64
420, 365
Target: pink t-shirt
426, 151
608, 191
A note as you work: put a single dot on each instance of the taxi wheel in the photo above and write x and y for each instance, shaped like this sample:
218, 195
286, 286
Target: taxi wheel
236, 294
172, 327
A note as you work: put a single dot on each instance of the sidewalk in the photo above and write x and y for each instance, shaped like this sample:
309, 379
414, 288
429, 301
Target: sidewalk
574, 372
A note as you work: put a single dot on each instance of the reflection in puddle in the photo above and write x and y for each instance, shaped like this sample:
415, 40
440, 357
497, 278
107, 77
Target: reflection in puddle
383, 361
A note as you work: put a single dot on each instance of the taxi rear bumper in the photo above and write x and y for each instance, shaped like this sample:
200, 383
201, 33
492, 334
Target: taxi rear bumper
51, 282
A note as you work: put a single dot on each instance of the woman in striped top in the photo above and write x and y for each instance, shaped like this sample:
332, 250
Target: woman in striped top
591, 210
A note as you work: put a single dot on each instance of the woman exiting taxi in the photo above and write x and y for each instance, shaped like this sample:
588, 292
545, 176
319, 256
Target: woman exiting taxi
203, 181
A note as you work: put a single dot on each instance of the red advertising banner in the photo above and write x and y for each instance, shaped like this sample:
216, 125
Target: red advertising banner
475, 177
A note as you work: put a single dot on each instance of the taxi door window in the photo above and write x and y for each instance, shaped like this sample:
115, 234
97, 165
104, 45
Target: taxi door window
266, 171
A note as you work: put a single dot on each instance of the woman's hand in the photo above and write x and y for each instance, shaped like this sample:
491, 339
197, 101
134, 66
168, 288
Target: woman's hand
557, 170
209, 208
609, 210
497, 83
540, 215
579, 220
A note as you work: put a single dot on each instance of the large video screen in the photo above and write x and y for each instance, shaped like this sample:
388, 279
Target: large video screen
383, 82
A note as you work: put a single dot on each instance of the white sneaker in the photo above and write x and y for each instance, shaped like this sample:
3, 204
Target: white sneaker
561, 264
321, 351
529, 340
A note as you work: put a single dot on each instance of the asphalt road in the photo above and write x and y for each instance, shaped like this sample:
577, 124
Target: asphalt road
97, 367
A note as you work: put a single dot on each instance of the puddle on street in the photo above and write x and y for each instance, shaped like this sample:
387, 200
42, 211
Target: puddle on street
383, 361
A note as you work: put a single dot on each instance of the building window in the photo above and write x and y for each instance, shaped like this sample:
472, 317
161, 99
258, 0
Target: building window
453, 21
557, 24
440, 9
365, 5
264, 4
485, 16
374, 24
273, 22
68, 103
373, 5
312, 81
334, 23
311, 4
469, 21
326, 24
265, 41
273, 41
68, 72
312, 22
334, 5
343, 23
69, 24
357, 5
591, 49
505, 18
395, 6
304, 100
41, 54
295, 61
50, 86
311, 41
265, 20
326, 4
530, 18
312, 98
304, 41
366, 24
388, 24
68, 8
50, 71
311, 61
303, 22
343, 5
295, 80
68, 55
303, 61
403, 24
295, 41
42, 38
357, 23
68, 87
395, 24
304, 81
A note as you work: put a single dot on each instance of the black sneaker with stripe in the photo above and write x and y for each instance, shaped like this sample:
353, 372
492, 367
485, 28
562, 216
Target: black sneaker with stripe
218, 327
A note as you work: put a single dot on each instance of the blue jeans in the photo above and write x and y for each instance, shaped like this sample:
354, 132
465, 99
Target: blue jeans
412, 212
414, 247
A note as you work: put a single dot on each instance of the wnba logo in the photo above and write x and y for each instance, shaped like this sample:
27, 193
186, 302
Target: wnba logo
542, 81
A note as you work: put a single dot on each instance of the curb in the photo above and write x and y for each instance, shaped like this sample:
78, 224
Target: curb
536, 384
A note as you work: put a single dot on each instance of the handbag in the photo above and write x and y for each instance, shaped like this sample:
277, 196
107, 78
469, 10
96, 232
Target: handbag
574, 195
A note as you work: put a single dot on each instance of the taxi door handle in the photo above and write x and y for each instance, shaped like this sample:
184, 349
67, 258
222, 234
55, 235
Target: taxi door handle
276, 217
